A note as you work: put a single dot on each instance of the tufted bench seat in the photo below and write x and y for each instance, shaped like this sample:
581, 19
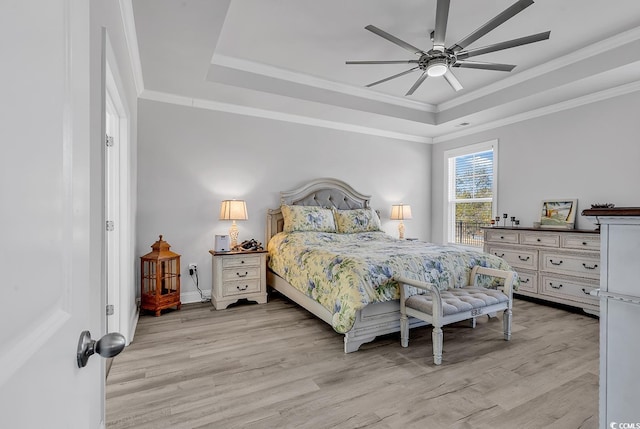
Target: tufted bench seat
441, 308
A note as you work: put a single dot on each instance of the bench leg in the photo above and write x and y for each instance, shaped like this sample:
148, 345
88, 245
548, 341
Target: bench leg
506, 320
472, 322
404, 330
436, 339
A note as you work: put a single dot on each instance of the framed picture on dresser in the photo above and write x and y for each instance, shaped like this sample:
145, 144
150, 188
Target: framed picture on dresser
558, 213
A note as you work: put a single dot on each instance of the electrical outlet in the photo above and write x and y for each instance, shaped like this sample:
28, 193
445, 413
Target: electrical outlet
193, 266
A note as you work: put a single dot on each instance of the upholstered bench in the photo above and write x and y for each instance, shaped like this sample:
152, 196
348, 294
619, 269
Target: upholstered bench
441, 308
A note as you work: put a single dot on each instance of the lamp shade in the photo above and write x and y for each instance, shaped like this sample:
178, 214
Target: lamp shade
233, 210
400, 212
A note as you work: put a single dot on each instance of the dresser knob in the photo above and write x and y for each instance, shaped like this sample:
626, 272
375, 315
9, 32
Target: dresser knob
555, 287
246, 273
590, 267
538, 240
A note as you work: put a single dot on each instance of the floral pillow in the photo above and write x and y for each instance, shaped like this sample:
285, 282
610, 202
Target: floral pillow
357, 220
308, 218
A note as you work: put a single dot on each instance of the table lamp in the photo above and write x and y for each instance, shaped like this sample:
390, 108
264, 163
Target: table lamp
400, 212
233, 210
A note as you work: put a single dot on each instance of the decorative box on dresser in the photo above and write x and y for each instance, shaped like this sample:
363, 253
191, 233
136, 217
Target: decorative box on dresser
556, 265
238, 275
619, 316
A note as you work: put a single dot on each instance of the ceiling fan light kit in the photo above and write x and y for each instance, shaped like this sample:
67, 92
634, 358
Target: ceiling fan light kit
439, 60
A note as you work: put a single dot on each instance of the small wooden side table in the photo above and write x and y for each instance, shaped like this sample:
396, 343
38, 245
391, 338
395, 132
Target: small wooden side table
238, 275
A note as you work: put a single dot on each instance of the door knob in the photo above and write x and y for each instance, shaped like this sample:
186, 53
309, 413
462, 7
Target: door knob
108, 346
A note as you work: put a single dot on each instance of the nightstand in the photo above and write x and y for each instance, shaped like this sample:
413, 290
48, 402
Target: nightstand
238, 275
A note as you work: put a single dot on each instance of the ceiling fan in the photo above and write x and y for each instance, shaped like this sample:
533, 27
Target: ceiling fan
439, 60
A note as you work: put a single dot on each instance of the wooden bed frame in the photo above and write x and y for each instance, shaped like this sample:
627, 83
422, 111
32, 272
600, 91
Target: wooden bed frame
374, 319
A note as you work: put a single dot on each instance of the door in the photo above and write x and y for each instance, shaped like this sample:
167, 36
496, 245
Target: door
51, 218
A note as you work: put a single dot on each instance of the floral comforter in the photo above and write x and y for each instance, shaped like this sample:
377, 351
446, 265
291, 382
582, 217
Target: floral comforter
345, 272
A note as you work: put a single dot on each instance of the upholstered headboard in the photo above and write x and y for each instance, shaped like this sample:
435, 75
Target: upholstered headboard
325, 192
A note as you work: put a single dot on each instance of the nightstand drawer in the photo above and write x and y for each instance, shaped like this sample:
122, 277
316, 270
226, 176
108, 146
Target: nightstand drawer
517, 258
240, 261
240, 273
570, 264
241, 287
502, 236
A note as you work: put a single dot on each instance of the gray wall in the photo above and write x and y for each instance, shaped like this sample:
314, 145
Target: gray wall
190, 159
590, 153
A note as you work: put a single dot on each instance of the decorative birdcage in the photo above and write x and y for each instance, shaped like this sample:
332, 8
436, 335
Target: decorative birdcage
160, 281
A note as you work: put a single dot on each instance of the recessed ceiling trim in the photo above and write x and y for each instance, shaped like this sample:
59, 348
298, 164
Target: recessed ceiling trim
571, 58
278, 116
554, 108
288, 75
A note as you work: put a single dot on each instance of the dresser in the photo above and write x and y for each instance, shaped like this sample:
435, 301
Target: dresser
555, 265
619, 316
238, 275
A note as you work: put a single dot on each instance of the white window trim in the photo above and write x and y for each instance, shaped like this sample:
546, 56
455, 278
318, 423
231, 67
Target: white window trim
466, 150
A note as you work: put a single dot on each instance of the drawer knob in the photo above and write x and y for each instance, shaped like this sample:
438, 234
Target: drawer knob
586, 292
242, 262
246, 273
554, 287
523, 259
245, 287
584, 243
555, 263
501, 237
590, 267
499, 256
526, 280
537, 239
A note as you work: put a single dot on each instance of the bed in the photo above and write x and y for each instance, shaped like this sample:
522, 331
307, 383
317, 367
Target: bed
345, 276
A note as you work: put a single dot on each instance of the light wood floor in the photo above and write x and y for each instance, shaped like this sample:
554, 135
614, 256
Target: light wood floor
276, 366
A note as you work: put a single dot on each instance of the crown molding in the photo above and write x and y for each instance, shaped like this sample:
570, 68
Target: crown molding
278, 116
129, 25
553, 108
316, 82
574, 57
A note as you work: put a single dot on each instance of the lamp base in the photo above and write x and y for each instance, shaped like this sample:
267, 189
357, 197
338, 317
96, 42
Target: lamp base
233, 235
401, 230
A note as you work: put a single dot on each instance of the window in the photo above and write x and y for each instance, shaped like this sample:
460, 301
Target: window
471, 192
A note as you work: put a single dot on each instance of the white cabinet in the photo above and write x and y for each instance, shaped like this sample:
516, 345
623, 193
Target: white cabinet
555, 265
238, 275
619, 315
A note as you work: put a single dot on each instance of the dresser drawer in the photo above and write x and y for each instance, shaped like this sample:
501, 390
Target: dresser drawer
517, 258
241, 287
569, 288
502, 236
540, 239
581, 241
560, 263
240, 272
528, 281
240, 261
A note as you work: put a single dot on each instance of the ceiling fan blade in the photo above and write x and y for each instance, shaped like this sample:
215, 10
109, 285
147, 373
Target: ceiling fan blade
415, 86
499, 19
453, 81
384, 62
394, 39
504, 45
391, 77
442, 16
484, 66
